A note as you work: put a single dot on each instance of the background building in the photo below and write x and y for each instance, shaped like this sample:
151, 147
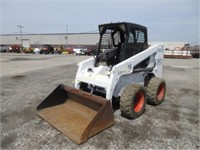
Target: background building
57, 39
65, 40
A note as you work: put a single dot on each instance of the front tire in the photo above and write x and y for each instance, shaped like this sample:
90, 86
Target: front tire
133, 101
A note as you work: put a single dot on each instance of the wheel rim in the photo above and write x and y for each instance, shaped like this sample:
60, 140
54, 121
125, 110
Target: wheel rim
139, 101
161, 92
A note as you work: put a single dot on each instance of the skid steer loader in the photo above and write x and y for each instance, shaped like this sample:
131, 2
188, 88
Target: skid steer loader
126, 73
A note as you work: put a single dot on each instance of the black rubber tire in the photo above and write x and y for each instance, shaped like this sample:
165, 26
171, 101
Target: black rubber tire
132, 94
156, 90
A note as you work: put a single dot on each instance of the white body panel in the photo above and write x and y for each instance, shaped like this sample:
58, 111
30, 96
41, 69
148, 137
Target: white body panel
113, 80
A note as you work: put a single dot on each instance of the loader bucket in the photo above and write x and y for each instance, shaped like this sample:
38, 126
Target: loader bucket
77, 114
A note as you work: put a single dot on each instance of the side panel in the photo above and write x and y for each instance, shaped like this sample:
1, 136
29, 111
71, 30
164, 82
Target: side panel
159, 58
127, 67
126, 80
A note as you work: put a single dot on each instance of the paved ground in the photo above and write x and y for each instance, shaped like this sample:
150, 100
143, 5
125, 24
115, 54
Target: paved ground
27, 79
21, 63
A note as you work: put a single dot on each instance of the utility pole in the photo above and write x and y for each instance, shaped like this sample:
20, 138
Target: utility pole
67, 35
20, 30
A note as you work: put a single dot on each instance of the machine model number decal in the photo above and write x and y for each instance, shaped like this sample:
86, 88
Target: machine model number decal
159, 61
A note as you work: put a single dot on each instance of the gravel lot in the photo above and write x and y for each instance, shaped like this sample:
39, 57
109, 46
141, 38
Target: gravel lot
27, 79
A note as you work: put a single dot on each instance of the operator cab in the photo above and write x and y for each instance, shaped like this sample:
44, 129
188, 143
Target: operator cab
120, 41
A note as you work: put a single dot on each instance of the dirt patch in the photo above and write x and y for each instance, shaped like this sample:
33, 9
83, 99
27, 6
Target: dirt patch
174, 68
18, 118
6, 141
16, 77
189, 91
20, 59
170, 132
25, 59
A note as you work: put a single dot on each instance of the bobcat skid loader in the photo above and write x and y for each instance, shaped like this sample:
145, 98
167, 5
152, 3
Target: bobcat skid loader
124, 74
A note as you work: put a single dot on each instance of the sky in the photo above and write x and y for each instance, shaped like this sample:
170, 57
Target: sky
166, 20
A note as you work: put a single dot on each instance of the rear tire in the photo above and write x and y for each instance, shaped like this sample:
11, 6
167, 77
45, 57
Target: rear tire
133, 101
156, 89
